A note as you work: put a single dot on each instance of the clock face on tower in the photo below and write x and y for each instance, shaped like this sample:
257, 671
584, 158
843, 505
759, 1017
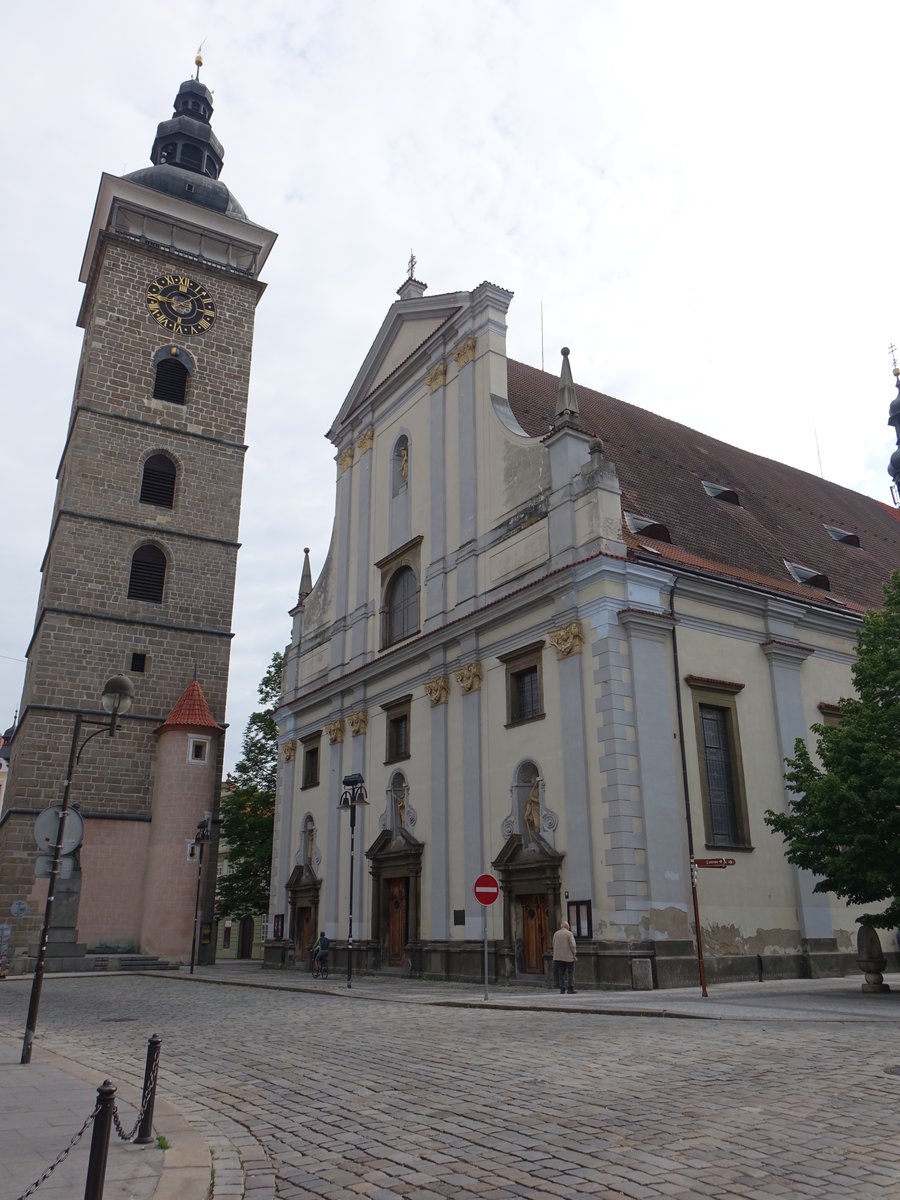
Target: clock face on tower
178, 303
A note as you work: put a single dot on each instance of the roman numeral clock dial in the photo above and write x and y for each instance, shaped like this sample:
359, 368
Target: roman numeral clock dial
178, 303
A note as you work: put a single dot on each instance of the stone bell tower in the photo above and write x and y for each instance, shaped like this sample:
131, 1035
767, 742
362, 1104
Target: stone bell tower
139, 569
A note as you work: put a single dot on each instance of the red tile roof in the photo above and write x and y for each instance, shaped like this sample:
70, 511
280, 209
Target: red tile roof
191, 711
782, 514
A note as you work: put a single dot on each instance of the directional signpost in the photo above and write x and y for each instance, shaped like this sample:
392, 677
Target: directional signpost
696, 863
486, 889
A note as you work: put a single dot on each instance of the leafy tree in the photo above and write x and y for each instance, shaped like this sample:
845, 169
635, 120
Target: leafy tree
844, 824
247, 808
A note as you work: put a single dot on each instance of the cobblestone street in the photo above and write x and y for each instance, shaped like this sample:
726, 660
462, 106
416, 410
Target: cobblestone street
315, 1093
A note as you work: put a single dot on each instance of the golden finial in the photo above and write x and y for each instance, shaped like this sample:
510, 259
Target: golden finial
198, 58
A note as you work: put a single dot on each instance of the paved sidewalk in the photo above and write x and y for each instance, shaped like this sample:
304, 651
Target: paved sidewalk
44, 1104
775, 1000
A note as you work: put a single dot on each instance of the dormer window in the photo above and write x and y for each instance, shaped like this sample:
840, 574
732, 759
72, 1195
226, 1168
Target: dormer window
719, 491
842, 535
647, 527
808, 575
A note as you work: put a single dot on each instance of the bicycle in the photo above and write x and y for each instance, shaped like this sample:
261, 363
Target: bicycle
320, 968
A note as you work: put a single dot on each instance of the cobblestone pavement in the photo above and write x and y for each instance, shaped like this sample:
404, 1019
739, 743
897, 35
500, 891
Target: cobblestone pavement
315, 1093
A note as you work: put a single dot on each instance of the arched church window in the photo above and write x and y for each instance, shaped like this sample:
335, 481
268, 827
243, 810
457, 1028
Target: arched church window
400, 466
401, 607
148, 574
158, 481
171, 381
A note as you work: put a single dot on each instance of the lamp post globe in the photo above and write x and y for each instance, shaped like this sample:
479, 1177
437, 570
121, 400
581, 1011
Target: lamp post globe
117, 698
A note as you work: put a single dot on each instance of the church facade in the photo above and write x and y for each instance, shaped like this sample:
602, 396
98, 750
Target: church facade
138, 573
569, 643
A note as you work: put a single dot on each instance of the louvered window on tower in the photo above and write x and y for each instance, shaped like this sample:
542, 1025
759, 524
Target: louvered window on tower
158, 481
148, 574
171, 381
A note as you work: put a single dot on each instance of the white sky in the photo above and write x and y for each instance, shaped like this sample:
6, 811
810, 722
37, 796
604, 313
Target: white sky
702, 195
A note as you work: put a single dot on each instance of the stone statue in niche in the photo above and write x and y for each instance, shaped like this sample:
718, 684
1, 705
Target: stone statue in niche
404, 464
399, 794
532, 816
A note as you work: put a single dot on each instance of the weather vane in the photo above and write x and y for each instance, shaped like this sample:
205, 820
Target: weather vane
411, 265
198, 58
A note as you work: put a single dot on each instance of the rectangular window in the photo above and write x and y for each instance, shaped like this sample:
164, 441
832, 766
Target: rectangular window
311, 761
721, 768
397, 742
524, 685
199, 750
578, 914
138, 663
719, 776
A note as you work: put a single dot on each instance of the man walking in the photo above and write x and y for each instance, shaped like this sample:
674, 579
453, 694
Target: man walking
564, 955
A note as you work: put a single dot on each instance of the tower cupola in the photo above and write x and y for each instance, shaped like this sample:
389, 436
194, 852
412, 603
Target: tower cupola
186, 140
187, 156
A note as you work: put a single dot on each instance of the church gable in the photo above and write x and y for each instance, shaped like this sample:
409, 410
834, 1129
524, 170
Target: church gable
398, 350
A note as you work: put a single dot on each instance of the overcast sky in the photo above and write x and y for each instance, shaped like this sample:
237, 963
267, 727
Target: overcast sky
702, 196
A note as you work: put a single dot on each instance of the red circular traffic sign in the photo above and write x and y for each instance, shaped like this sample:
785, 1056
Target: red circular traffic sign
487, 889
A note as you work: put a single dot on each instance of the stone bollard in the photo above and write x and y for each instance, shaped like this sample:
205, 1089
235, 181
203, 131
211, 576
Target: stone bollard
870, 959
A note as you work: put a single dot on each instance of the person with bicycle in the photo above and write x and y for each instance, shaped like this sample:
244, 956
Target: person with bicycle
320, 953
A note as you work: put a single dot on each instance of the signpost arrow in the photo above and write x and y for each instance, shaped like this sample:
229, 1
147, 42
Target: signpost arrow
714, 862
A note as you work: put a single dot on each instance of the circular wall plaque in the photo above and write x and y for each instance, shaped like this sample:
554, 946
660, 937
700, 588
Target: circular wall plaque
18, 908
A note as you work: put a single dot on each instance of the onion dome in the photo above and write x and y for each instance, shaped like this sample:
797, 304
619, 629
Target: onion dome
187, 156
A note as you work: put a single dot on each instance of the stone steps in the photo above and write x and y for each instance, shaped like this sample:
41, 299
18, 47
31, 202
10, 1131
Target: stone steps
128, 962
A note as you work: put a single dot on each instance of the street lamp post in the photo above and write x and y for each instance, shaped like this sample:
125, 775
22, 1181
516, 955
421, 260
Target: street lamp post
354, 793
201, 837
117, 698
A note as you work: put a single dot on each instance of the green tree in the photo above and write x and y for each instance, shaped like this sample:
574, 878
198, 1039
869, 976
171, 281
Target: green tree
247, 808
844, 823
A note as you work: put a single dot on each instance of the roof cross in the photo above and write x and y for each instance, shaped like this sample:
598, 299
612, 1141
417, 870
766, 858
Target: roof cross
411, 266
892, 351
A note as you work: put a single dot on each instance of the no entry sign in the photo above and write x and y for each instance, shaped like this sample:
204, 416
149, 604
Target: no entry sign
487, 889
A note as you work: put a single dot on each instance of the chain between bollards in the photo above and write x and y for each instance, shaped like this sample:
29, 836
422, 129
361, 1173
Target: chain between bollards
96, 1176
149, 1093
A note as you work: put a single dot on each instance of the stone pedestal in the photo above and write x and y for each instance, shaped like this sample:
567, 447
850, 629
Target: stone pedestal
870, 959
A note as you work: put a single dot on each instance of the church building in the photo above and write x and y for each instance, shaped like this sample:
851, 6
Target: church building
568, 643
137, 578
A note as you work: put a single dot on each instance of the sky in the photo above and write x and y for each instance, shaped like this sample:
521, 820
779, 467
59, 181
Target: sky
700, 199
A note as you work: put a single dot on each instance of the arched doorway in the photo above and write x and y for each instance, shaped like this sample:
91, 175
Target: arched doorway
245, 940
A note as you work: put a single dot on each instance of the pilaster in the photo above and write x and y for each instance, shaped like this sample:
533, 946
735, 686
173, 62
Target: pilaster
786, 658
662, 803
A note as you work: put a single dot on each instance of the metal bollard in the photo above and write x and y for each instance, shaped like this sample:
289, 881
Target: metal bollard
96, 1176
148, 1094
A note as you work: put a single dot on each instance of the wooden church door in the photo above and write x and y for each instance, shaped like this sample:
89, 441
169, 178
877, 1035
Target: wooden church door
397, 916
535, 933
